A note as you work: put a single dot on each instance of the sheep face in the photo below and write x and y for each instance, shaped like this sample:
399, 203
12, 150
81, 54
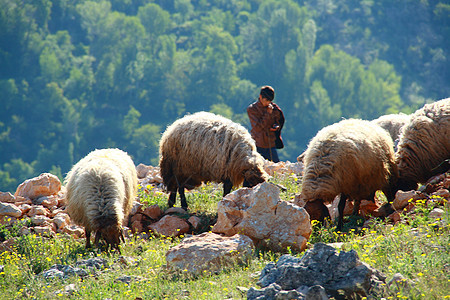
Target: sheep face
254, 176
112, 235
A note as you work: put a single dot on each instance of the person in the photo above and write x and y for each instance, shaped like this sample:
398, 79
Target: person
267, 120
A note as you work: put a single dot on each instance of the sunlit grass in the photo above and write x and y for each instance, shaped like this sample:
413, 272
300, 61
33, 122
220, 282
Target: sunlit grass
418, 248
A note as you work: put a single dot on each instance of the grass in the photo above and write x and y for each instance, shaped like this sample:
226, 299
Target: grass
418, 248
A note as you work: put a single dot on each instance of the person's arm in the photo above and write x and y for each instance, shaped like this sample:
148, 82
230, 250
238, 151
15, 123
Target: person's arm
280, 116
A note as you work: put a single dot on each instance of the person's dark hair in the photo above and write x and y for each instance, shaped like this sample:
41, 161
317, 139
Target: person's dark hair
267, 92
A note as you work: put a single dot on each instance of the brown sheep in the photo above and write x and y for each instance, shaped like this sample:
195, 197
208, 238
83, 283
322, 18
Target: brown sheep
353, 158
206, 147
101, 189
424, 146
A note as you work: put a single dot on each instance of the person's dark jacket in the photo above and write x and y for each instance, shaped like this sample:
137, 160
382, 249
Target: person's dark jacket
261, 121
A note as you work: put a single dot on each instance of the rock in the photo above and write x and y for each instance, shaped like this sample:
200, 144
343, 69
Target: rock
38, 210
63, 272
436, 213
40, 220
195, 222
47, 230
45, 184
61, 220
74, 230
281, 167
95, 263
322, 266
137, 226
261, 215
444, 193
127, 279
61, 196
170, 226
176, 211
153, 212
25, 208
70, 289
403, 198
395, 217
446, 183
369, 209
47, 201
334, 211
142, 170
7, 197
136, 208
209, 252
10, 210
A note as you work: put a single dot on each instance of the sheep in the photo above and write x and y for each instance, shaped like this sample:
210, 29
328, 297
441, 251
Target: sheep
206, 147
424, 146
352, 158
100, 192
393, 123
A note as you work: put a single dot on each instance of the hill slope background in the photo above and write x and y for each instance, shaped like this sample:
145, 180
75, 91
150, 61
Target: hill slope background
81, 75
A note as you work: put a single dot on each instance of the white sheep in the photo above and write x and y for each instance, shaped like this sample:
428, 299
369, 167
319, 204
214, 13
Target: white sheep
101, 189
206, 147
393, 123
353, 158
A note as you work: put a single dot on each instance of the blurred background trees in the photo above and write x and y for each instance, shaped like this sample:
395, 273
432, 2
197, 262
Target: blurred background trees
80, 75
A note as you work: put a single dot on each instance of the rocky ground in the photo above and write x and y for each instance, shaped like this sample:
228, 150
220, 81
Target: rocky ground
247, 218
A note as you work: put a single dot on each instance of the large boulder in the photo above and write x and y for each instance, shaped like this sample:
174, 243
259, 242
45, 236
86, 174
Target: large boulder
260, 214
341, 275
45, 184
209, 252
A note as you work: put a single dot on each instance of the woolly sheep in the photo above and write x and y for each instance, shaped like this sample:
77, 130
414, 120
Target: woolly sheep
424, 146
206, 147
392, 123
353, 158
100, 192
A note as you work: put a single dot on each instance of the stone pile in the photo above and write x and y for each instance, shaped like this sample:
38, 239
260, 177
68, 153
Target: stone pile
321, 273
39, 202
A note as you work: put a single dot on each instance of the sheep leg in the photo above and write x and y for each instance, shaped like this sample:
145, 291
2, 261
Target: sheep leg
97, 238
227, 186
172, 199
341, 207
88, 238
182, 197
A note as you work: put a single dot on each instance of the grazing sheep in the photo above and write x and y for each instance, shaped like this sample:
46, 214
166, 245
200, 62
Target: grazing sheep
100, 192
206, 147
353, 158
392, 124
424, 146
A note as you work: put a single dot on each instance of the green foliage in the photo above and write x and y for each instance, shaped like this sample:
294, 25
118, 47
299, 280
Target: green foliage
79, 75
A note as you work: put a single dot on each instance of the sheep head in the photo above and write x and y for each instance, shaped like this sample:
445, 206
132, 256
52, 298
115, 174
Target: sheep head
254, 176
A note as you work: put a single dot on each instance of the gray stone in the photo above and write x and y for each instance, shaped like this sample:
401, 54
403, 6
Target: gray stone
338, 274
316, 292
